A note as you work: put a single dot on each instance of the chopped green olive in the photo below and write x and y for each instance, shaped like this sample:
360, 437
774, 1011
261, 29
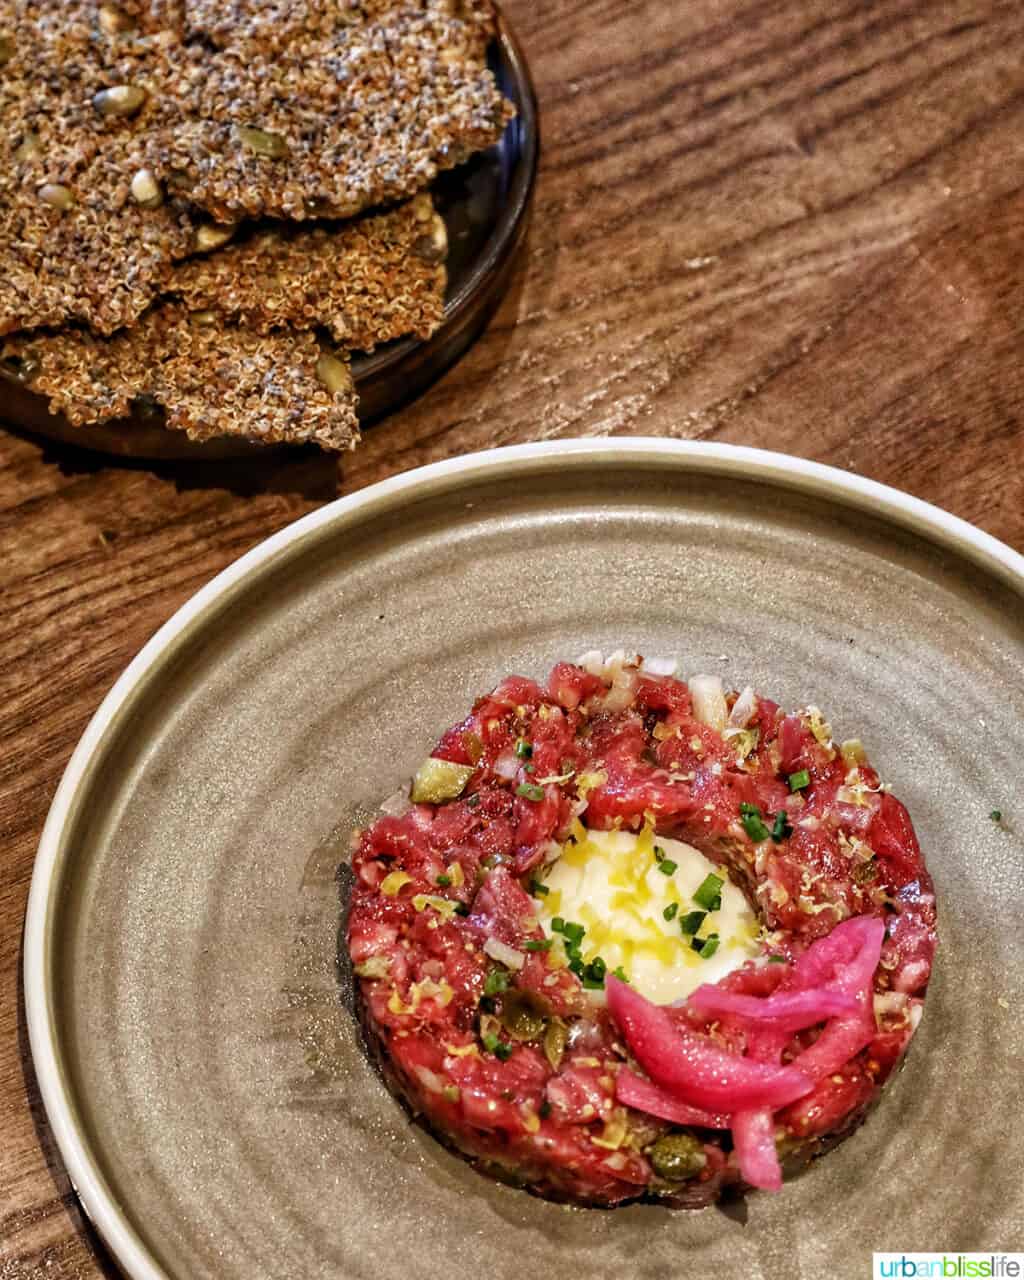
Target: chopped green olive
537, 944
677, 1157
439, 780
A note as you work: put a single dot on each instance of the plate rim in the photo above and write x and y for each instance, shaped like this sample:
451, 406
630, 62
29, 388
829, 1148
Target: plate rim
816, 479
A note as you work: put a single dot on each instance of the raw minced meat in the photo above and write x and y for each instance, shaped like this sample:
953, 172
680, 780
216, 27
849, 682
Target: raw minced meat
544, 1069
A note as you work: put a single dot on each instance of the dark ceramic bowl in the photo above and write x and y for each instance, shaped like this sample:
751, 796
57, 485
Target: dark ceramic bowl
485, 204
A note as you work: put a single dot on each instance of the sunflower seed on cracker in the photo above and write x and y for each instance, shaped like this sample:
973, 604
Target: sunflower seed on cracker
210, 380
363, 281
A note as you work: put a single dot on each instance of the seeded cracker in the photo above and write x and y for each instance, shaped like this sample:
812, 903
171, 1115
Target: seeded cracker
366, 281
73, 240
212, 380
272, 24
325, 124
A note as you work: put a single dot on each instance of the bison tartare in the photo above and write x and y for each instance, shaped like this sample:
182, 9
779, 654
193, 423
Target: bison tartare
632, 937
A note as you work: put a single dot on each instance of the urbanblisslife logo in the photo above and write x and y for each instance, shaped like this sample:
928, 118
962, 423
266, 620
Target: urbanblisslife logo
949, 1266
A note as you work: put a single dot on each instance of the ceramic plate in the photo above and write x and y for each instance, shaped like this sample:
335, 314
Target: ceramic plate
486, 206
190, 1023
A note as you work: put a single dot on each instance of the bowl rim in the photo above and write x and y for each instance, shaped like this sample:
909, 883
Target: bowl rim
815, 479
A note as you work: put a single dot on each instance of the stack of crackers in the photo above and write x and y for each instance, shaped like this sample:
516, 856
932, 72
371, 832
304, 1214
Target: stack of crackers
207, 205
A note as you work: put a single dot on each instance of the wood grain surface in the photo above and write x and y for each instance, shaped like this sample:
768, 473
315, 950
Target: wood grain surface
797, 224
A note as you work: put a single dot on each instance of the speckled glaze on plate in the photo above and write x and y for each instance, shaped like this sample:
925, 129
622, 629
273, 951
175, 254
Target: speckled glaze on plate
485, 204
190, 1024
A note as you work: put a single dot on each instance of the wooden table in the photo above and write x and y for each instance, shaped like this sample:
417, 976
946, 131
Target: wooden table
790, 223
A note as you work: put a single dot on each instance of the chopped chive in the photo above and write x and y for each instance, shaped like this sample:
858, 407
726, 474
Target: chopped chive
539, 890
996, 815
705, 947
530, 790
777, 960
524, 749
558, 925
753, 823
782, 827
597, 967
496, 982
528, 768
692, 921
709, 895
667, 867
659, 853
671, 911
592, 984
620, 973
443, 881
574, 932
537, 944
799, 780
576, 966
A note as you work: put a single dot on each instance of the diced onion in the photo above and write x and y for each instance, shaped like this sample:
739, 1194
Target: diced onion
592, 662
397, 803
744, 709
507, 765
504, 954
659, 666
709, 706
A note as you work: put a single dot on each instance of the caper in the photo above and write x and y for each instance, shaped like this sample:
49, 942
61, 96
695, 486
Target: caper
435, 780
121, 100
521, 1015
556, 1036
262, 143
677, 1156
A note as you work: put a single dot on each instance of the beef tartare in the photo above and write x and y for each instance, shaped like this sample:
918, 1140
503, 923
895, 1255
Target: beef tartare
632, 937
